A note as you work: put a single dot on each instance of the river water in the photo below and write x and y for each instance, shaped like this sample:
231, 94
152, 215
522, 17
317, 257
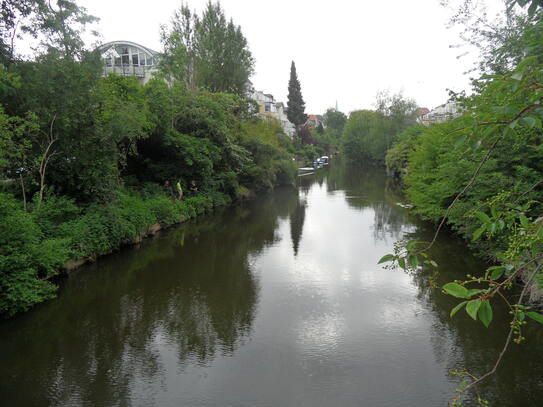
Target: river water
274, 302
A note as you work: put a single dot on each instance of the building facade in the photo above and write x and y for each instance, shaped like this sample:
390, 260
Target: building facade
129, 59
440, 114
270, 109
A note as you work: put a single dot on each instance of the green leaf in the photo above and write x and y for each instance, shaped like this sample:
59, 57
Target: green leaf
524, 221
386, 258
413, 261
513, 124
456, 290
460, 140
477, 234
475, 291
530, 122
535, 316
473, 307
517, 76
401, 262
483, 217
485, 313
497, 273
492, 227
411, 245
433, 263
458, 308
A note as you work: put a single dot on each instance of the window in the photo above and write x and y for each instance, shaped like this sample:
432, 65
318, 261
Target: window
142, 59
122, 50
108, 61
117, 61
135, 59
125, 59
267, 107
149, 61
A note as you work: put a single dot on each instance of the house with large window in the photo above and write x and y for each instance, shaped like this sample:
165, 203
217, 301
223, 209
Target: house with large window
129, 59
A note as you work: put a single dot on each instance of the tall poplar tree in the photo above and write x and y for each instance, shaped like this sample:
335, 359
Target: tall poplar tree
295, 103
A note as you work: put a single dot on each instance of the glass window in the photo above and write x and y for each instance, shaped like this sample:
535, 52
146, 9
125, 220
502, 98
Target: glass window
142, 59
149, 61
108, 61
267, 107
135, 59
125, 59
121, 49
117, 61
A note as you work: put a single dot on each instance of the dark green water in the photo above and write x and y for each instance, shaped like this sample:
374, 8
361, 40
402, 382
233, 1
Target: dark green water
277, 302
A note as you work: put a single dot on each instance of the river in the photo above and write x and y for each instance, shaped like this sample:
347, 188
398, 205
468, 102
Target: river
274, 302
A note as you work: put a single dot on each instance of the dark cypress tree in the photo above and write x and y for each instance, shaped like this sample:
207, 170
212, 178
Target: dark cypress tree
295, 103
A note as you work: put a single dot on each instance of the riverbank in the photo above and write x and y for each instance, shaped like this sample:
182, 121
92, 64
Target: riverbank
57, 236
288, 280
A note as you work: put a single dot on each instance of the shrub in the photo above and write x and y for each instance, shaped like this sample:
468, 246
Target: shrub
24, 262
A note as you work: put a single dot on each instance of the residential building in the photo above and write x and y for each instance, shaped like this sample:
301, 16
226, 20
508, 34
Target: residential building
270, 109
129, 59
440, 114
314, 120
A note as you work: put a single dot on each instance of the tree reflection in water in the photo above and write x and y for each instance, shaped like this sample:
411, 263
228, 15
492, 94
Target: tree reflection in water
190, 293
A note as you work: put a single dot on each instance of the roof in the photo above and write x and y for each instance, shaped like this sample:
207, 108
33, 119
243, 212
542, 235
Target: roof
133, 44
423, 110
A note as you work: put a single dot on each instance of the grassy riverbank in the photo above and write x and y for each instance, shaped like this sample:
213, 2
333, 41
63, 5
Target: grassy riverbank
59, 236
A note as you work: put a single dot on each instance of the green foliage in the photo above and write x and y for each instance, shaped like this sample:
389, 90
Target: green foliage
363, 136
89, 156
482, 173
207, 52
368, 134
334, 119
25, 259
397, 156
295, 102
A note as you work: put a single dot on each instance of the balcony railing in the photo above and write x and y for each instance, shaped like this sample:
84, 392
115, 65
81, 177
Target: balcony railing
127, 70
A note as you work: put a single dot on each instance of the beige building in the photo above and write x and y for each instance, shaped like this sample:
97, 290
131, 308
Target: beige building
269, 108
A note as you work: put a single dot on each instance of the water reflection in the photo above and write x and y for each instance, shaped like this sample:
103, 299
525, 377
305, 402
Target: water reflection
297, 223
190, 294
276, 302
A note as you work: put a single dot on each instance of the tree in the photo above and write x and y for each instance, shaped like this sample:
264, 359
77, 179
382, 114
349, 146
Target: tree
400, 113
364, 136
296, 105
178, 59
481, 173
207, 52
13, 19
334, 119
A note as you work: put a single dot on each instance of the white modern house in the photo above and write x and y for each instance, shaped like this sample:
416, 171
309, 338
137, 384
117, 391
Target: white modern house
440, 114
268, 108
129, 59
288, 127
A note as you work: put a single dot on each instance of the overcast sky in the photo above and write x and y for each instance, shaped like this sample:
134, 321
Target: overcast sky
344, 50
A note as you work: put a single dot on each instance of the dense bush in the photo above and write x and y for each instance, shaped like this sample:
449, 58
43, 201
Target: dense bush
397, 156
35, 246
26, 259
